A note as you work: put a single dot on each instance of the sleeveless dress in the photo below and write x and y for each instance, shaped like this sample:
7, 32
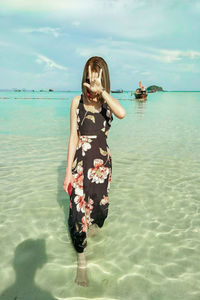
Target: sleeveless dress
92, 170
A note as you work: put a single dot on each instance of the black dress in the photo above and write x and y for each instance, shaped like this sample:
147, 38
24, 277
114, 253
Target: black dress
91, 169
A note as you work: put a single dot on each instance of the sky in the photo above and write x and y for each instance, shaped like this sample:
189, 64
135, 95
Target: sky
46, 43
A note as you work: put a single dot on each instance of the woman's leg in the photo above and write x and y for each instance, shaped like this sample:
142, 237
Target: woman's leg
81, 276
92, 230
79, 241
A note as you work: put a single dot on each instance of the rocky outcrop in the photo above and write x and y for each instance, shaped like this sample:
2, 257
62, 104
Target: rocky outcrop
154, 88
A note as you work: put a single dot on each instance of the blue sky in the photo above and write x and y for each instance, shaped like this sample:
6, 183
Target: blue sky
46, 43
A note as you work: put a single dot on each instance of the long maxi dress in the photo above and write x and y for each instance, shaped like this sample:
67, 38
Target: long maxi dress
92, 170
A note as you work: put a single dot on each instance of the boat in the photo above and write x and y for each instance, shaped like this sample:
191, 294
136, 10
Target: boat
117, 91
50, 90
141, 93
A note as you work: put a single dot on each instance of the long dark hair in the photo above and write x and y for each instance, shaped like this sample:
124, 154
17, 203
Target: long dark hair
96, 64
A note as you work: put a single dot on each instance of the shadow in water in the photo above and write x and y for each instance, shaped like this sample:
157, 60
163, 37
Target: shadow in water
141, 106
62, 197
29, 256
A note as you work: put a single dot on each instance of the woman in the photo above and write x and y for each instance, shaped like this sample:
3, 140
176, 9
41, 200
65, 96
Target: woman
89, 164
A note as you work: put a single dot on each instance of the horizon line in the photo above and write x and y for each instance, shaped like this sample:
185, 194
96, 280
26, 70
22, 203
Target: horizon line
60, 90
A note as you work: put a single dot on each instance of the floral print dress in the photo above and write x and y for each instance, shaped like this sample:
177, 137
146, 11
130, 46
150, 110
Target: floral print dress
91, 169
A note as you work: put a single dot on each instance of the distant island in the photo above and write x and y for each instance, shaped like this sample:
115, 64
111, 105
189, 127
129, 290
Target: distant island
154, 88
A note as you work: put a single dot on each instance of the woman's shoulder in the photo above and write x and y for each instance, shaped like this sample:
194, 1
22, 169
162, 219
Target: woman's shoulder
75, 101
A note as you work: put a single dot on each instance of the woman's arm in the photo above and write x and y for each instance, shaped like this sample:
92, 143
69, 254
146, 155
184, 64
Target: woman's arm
114, 105
73, 139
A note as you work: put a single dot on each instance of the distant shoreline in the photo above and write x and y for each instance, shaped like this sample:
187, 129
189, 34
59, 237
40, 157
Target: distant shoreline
31, 91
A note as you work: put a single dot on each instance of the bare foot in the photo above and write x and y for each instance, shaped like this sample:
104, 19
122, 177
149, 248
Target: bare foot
92, 231
81, 276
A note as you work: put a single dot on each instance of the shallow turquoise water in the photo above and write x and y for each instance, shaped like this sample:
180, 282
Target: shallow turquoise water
149, 247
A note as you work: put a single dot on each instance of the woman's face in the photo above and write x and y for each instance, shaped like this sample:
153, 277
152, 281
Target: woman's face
89, 79
93, 75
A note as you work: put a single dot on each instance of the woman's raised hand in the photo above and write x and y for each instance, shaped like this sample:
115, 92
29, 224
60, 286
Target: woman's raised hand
95, 85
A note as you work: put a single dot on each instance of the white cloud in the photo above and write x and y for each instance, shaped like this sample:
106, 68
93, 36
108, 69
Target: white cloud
193, 54
166, 56
148, 35
133, 50
5, 44
76, 23
48, 5
146, 73
46, 30
49, 63
84, 52
169, 56
100, 50
193, 68
118, 17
